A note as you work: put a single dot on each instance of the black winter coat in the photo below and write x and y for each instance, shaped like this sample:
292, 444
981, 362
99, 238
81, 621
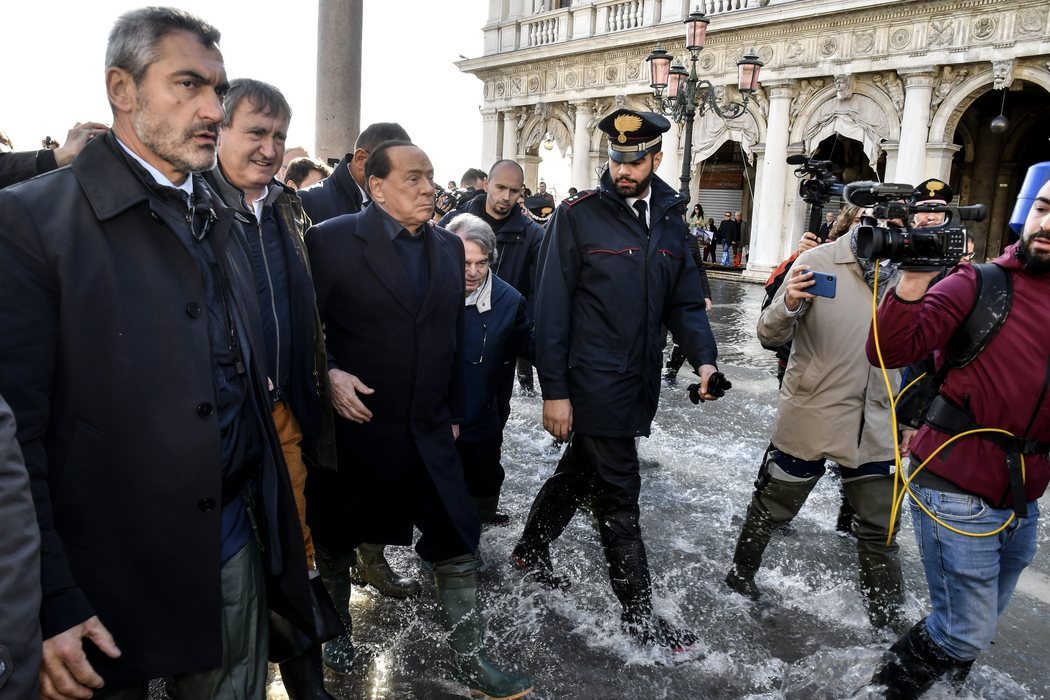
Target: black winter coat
605, 287
334, 196
411, 354
105, 360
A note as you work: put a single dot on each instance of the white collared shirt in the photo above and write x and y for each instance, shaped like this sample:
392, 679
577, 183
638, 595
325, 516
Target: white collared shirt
648, 209
161, 178
257, 205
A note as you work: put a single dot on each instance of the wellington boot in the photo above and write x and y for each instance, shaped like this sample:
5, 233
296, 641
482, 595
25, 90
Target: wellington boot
915, 662
338, 653
374, 570
536, 563
774, 503
653, 630
303, 677
489, 513
882, 585
456, 581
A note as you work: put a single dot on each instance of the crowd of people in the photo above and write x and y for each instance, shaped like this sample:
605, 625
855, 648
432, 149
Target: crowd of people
231, 378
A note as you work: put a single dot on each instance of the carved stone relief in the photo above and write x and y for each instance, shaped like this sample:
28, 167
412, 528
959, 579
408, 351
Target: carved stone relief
900, 38
1003, 74
612, 74
949, 79
941, 32
844, 84
552, 80
806, 89
829, 46
864, 41
1030, 20
765, 53
795, 52
893, 86
983, 27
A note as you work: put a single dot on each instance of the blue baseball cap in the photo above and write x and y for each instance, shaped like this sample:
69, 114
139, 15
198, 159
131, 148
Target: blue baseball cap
1038, 175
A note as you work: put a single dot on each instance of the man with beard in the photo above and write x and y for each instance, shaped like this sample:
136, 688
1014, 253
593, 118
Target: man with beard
614, 268
131, 353
986, 482
518, 242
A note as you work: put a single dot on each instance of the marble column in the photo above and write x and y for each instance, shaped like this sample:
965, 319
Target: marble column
670, 170
582, 176
489, 136
531, 166
939, 160
915, 126
338, 119
768, 225
510, 134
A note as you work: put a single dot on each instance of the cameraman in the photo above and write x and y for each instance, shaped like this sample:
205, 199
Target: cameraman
971, 579
832, 407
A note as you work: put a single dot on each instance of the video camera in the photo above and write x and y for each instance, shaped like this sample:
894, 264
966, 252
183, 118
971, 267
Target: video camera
820, 185
447, 200
926, 248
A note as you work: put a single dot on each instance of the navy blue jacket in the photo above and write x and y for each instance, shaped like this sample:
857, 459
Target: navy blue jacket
604, 288
334, 196
492, 341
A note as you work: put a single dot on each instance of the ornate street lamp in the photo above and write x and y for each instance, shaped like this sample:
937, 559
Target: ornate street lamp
683, 95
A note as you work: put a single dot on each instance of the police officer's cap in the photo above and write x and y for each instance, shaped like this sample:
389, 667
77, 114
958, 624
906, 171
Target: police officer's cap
933, 189
539, 205
633, 134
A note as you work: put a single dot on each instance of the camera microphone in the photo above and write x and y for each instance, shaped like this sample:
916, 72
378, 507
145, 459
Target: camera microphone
974, 212
797, 159
861, 193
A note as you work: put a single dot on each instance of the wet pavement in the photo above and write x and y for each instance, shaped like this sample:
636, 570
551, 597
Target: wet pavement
808, 638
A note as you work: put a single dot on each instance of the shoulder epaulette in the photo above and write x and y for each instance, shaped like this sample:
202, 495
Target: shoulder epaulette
579, 197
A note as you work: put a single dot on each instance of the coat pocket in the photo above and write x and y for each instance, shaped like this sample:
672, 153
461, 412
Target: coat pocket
599, 359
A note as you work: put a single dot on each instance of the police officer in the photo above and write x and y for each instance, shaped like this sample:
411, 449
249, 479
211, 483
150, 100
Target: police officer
614, 267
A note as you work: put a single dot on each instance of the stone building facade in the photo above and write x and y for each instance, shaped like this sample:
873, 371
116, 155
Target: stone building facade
891, 90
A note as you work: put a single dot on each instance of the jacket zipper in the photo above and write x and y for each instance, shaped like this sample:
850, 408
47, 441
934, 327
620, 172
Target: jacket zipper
1042, 397
273, 304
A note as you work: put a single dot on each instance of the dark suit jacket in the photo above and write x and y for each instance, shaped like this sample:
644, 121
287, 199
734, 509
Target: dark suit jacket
16, 167
20, 573
105, 360
334, 196
411, 353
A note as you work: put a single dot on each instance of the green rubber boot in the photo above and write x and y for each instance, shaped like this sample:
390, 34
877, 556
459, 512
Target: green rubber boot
338, 653
774, 503
374, 570
456, 581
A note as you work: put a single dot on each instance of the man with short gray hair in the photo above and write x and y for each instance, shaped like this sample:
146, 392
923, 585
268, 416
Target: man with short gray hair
132, 357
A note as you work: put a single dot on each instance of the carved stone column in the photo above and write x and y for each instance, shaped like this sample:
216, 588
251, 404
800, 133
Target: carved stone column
338, 119
915, 126
670, 170
581, 178
510, 134
939, 160
489, 136
770, 196
531, 166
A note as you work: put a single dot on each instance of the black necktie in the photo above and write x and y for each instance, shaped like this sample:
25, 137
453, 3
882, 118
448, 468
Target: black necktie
640, 206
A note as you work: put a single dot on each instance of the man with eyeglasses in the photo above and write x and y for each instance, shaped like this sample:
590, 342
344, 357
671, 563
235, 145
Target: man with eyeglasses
131, 353
496, 331
345, 191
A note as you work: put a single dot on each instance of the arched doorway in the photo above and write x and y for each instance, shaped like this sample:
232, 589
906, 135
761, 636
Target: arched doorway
989, 167
849, 163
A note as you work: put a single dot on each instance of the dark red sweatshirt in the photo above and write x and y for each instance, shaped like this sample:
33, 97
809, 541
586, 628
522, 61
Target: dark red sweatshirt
1007, 384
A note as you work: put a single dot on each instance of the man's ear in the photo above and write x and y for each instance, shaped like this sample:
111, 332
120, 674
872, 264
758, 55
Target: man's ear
657, 158
375, 188
121, 90
360, 157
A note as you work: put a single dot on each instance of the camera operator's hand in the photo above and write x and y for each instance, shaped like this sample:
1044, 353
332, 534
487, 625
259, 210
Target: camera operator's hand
914, 283
809, 240
800, 280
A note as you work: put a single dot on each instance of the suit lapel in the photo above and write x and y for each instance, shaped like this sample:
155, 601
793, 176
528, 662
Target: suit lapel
385, 262
435, 260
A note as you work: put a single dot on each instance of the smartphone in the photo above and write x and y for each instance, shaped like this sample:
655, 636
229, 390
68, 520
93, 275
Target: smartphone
823, 284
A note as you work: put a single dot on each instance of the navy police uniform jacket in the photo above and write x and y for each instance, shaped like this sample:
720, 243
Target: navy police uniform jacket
604, 289
333, 196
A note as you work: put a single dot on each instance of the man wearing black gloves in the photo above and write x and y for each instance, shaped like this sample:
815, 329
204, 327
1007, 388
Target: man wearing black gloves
614, 268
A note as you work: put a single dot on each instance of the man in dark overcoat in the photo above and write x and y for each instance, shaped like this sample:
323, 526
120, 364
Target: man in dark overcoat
131, 355
390, 293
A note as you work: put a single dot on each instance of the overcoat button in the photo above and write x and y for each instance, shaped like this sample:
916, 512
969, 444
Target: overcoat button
205, 410
193, 309
206, 504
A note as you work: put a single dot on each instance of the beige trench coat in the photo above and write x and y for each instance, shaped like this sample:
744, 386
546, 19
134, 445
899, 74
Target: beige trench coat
833, 404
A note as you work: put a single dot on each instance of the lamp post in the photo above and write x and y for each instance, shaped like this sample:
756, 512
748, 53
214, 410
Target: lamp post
688, 95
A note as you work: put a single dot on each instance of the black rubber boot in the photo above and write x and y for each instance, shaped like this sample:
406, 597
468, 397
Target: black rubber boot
551, 512
456, 581
373, 569
773, 504
338, 653
881, 582
882, 586
629, 576
303, 677
489, 512
844, 521
915, 662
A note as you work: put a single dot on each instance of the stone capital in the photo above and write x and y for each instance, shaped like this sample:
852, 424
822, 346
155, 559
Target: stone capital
918, 77
780, 89
586, 103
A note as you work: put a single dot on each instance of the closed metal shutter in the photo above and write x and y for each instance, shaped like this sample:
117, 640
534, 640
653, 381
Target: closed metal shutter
718, 202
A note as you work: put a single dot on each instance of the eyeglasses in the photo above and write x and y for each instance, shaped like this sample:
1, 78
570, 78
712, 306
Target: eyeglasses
484, 339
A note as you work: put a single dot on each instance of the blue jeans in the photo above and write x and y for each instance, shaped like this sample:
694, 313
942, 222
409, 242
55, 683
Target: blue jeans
971, 579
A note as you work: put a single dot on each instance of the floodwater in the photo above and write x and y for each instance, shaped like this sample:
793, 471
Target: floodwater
808, 638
